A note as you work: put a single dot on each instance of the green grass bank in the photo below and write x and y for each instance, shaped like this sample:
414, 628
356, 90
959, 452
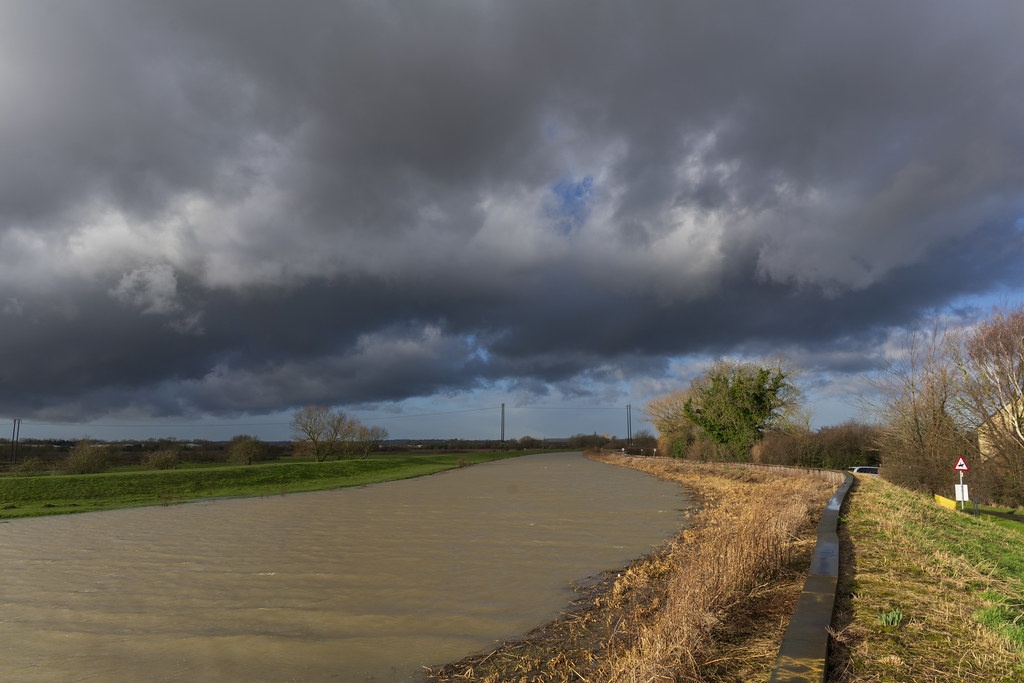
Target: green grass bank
926, 593
62, 494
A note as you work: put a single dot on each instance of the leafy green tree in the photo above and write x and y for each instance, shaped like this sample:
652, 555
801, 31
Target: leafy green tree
734, 403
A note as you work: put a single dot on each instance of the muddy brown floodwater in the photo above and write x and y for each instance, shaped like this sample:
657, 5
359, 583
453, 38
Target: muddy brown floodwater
368, 583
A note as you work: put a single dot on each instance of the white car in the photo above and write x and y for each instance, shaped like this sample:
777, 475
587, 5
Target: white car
864, 470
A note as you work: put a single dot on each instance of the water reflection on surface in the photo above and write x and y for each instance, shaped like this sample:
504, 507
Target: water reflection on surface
338, 585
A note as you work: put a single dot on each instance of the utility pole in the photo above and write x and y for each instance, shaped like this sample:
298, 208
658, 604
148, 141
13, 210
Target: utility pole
503, 423
629, 424
15, 433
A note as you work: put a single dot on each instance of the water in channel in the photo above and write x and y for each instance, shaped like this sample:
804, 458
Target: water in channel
355, 584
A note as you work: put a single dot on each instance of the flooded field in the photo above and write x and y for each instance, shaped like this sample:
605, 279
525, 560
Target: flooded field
370, 583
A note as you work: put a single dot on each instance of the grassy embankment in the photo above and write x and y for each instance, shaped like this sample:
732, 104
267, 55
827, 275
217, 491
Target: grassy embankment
59, 494
926, 593
711, 605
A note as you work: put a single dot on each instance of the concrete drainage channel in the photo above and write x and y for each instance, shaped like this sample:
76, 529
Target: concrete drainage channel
804, 647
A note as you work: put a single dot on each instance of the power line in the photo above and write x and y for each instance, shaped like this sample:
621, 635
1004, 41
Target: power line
397, 416
378, 416
157, 424
580, 409
243, 424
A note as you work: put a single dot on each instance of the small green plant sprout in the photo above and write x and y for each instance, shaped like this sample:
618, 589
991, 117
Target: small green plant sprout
893, 618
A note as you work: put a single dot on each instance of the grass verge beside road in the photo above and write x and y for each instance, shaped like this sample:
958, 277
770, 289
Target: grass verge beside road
926, 593
48, 495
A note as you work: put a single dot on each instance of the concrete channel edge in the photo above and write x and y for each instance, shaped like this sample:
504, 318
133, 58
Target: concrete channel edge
804, 651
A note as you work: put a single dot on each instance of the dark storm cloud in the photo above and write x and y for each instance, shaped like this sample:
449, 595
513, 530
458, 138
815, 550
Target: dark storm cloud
228, 207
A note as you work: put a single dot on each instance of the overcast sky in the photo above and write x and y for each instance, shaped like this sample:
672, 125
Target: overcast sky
213, 212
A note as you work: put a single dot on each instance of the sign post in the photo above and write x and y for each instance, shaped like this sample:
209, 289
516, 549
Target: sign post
961, 490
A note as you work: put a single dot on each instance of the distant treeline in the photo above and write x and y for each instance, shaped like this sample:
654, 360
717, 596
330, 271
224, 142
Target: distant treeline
59, 456
35, 456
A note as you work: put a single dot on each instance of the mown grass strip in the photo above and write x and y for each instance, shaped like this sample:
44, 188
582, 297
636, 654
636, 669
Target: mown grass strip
47, 495
1005, 523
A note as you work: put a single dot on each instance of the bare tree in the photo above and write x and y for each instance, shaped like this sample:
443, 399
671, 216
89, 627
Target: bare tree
321, 432
88, 457
245, 450
675, 431
367, 439
990, 359
920, 438
645, 440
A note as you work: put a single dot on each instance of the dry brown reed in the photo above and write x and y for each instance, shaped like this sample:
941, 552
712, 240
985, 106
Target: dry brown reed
731, 549
709, 606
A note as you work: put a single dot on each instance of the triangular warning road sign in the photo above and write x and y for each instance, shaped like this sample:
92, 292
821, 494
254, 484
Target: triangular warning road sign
961, 466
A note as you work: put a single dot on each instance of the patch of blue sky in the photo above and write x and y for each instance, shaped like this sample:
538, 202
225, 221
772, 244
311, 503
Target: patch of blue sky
478, 349
573, 202
983, 303
829, 410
